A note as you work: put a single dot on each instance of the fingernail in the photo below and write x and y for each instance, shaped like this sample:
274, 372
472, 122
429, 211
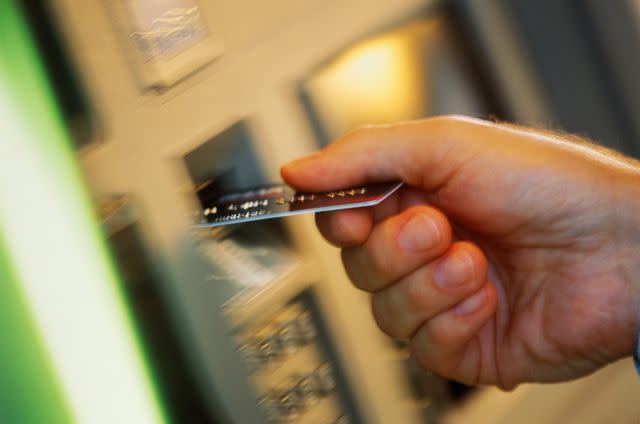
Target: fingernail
418, 234
471, 304
454, 270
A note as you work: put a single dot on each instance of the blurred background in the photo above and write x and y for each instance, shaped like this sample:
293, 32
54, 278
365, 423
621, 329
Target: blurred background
122, 118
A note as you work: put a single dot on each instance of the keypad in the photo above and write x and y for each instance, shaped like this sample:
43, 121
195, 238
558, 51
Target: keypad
293, 376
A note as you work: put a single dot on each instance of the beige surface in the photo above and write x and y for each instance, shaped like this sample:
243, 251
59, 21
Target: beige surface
608, 396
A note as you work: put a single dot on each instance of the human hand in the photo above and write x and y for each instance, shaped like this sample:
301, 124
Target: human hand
509, 257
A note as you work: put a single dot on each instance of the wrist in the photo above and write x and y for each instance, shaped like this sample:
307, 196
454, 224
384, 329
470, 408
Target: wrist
627, 247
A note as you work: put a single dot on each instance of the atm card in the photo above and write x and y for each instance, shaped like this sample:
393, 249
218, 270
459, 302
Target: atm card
279, 200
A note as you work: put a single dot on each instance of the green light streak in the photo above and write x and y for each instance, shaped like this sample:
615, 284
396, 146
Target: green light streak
27, 377
61, 268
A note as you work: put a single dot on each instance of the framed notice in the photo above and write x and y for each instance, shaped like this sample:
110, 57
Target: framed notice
167, 39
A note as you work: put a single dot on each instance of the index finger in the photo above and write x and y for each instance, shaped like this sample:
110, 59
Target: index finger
421, 153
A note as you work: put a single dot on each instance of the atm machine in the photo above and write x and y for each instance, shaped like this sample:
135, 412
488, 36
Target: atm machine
186, 99
174, 102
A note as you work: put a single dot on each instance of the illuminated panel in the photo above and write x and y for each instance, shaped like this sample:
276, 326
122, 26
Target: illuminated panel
415, 70
57, 251
376, 81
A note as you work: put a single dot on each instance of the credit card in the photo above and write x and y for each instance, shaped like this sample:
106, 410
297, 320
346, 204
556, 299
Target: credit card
279, 200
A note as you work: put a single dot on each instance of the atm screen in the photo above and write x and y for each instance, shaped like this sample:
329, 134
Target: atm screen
416, 70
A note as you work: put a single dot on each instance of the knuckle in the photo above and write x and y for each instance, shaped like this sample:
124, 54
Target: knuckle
416, 293
508, 386
323, 222
419, 352
428, 348
380, 313
375, 257
448, 124
440, 335
361, 131
448, 120
352, 135
478, 260
352, 268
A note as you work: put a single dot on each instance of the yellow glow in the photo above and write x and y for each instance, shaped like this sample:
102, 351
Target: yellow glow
373, 82
369, 66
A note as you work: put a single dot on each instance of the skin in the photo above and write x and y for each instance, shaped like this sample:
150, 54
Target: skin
510, 256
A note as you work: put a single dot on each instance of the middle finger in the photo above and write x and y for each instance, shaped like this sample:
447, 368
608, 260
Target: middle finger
397, 246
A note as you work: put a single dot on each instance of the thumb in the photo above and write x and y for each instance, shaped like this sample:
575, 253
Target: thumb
422, 153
